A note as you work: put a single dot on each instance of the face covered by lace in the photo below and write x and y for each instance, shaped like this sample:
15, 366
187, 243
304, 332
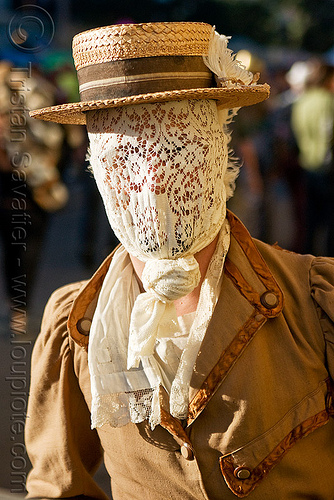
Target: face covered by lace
160, 170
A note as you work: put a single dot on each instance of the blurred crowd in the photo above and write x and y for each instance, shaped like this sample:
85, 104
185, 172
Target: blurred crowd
36, 160
284, 195
285, 192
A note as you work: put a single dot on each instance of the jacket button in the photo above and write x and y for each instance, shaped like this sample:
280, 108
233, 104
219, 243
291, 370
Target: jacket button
187, 452
83, 326
269, 300
242, 473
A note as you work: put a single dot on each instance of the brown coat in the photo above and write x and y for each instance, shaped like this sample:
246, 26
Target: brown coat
260, 397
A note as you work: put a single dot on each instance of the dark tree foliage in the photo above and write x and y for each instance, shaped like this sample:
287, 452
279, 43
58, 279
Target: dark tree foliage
255, 19
319, 36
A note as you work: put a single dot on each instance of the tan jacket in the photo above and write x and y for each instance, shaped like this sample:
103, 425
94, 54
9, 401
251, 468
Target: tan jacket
260, 397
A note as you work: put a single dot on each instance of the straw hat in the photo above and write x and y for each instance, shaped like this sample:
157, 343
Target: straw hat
154, 62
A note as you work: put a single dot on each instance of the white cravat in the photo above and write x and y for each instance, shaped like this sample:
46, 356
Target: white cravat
121, 395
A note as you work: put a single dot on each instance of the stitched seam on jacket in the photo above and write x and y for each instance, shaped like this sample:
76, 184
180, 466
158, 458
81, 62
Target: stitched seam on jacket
247, 291
242, 488
253, 254
225, 363
323, 383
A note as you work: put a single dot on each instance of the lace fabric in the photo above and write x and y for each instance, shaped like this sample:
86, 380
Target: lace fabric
153, 313
121, 395
160, 170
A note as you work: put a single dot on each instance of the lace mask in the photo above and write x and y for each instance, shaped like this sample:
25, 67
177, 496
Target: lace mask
160, 170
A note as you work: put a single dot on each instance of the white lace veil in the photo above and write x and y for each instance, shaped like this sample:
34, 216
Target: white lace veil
161, 170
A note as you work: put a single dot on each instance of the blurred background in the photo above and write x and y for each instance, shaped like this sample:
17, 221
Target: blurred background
53, 229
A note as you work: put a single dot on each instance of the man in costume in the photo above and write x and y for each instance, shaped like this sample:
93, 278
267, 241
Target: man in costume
196, 360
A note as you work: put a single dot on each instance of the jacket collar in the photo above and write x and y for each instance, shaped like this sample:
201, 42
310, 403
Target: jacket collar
244, 267
249, 296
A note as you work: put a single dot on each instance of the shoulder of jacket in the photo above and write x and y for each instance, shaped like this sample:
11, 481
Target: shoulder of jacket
67, 292
61, 300
276, 252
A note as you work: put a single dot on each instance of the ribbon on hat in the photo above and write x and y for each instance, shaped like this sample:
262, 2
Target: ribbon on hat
154, 313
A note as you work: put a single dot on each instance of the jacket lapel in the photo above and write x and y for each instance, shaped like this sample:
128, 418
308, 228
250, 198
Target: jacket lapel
81, 315
249, 296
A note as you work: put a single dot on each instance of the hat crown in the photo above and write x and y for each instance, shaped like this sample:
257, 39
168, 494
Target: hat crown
131, 41
126, 64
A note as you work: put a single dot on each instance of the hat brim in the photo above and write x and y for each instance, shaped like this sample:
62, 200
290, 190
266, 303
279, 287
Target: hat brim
234, 97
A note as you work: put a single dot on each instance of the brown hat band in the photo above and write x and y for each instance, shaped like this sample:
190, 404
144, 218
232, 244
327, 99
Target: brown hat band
123, 78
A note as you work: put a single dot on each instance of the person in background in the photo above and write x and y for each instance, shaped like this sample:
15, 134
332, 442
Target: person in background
284, 176
30, 184
312, 121
185, 361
